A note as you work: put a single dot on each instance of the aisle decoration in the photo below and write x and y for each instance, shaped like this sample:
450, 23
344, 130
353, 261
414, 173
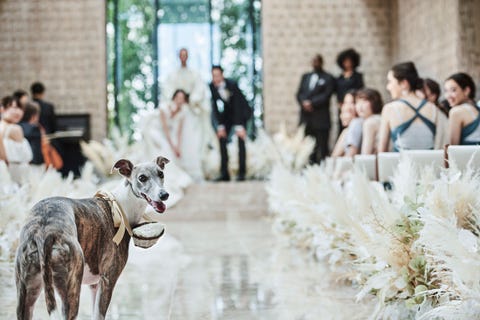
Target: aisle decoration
415, 247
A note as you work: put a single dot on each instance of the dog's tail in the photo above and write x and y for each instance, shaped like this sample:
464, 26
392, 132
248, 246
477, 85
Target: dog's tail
45, 253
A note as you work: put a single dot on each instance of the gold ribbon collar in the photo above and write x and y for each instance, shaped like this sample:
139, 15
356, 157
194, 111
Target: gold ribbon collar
120, 220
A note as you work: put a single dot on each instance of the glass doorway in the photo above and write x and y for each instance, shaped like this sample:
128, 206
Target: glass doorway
144, 37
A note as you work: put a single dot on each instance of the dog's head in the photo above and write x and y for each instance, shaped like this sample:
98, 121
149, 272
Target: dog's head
146, 180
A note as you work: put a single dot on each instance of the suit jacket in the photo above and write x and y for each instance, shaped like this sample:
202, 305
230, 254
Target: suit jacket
235, 111
47, 116
319, 95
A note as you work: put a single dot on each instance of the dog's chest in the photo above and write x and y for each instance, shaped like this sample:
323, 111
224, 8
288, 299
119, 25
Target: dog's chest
88, 277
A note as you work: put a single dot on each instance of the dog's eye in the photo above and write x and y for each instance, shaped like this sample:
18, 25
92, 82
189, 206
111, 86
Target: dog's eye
142, 178
160, 174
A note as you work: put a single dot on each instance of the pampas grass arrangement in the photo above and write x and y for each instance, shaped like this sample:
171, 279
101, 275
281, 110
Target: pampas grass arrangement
415, 248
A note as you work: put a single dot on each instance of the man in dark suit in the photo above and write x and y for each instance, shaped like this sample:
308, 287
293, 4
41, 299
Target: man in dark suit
230, 110
313, 96
47, 111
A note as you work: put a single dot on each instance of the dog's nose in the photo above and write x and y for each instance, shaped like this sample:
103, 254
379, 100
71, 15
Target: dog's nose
164, 195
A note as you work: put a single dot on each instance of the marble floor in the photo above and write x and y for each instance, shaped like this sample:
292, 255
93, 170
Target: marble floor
220, 267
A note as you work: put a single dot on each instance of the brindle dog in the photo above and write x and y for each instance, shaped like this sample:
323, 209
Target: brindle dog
66, 243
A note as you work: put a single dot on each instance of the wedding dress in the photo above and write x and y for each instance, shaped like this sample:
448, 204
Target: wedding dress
190, 144
199, 105
153, 144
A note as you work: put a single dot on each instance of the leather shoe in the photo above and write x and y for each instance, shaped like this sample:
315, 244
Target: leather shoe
241, 178
222, 178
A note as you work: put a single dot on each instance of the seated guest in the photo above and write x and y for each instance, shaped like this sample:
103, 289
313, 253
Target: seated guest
21, 97
369, 106
17, 148
464, 116
408, 120
353, 139
31, 130
432, 93
431, 90
347, 114
3, 154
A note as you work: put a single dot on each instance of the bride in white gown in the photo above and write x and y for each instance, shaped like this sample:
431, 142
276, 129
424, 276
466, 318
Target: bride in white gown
189, 80
180, 140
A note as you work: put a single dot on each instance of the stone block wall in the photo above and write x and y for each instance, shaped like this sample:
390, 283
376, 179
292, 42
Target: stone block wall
293, 31
61, 43
427, 33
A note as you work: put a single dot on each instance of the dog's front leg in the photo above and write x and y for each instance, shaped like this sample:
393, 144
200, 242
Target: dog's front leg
103, 296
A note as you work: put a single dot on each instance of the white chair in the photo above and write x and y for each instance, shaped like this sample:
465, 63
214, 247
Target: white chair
342, 165
367, 163
387, 163
462, 155
329, 164
426, 158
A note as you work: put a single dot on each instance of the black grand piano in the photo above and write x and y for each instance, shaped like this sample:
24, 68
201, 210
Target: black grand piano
71, 129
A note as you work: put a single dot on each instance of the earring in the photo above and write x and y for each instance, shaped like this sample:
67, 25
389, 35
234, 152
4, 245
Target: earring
404, 92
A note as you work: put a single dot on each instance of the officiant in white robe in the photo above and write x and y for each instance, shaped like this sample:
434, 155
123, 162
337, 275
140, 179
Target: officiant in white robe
191, 82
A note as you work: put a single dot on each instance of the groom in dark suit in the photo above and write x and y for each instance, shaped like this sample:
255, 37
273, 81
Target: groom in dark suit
313, 96
230, 110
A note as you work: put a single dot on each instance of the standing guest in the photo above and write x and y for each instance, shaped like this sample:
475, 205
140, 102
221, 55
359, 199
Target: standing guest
347, 114
350, 79
369, 106
21, 97
464, 116
313, 96
32, 130
348, 60
47, 111
408, 120
17, 148
230, 110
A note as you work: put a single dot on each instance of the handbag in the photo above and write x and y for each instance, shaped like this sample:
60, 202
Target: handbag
51, 157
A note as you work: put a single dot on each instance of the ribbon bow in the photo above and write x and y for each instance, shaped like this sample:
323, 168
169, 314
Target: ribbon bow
120, 220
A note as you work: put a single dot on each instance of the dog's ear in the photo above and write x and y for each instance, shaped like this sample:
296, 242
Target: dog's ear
161, 162
124, 167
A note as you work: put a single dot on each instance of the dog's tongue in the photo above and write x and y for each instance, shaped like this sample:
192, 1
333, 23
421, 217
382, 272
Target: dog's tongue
158, 206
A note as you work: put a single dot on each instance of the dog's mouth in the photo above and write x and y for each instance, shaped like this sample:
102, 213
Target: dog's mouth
158, 206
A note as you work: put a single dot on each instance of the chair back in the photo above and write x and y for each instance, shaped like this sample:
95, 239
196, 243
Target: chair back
367, 163
425, 158
463, 155
342, 165
387, 163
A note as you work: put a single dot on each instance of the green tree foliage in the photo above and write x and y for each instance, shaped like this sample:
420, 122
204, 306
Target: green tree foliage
133, 50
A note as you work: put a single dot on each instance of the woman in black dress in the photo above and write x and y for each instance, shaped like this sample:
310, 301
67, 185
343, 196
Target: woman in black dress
350, 79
